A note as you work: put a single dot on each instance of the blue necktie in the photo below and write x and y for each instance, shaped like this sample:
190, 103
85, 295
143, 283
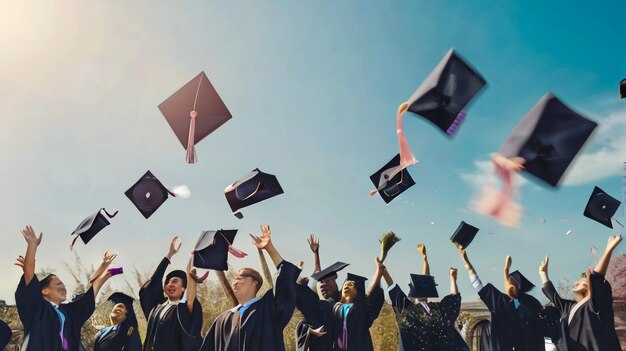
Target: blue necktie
62, 319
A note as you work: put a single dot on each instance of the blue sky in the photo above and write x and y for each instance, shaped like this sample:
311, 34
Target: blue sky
313, 89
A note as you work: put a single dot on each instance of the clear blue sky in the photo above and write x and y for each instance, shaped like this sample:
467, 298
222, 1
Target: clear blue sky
313, 88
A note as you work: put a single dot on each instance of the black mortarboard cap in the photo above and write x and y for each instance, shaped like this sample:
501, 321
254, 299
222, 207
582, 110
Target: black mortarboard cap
464, 234
548, 138
423, 286
211, 250
118, 297
197, 96
524, 285
178, 274
601, 207
92, 225
446, 92
329, 271
254, 187
148, 194
356, 278
622, 89
397, 184
5, 335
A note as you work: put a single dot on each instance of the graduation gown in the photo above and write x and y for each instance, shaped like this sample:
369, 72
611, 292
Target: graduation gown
123, 337
316, 315
177, 329
260, 327
592, 326
420, 330
513, 328
42, 324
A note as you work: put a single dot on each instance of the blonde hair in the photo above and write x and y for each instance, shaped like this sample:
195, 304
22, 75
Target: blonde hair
256, 276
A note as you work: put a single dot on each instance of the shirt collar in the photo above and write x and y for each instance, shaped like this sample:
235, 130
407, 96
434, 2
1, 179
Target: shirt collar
245, 305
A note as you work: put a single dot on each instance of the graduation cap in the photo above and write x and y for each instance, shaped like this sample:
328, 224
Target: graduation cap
390, 187
127, 301
5, 334
91, 226
622, 89
148, 194
211, 250
464, 234
444, 94
601, 207
193, 112
254, 187
548, 138
329, 271
524, 285
422, 286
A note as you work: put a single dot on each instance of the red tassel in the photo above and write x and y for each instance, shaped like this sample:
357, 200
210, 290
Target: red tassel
191, 149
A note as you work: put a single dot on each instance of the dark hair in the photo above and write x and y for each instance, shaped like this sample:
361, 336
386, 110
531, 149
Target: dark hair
45, 282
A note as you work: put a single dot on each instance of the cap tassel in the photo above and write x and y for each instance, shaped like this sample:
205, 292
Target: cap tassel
236, 252
191, 149
499, 204
238, 214
74, 238
181, 191
455, 125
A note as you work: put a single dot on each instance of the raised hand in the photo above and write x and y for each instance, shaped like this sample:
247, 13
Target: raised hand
452, 271
173, 247
20, 262
421, 249
464, 257
314, 243
507, 262
543, 266
264, 240
612, 242
514, 164
107, 258
379, 265
31, 237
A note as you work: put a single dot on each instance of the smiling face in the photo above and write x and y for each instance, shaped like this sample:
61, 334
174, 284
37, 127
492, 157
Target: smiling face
54, 290
174, 289
118, 313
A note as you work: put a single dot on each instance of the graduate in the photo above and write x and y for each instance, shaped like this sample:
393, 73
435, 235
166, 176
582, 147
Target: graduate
256, 323
123, 334
5, 334
311, 333
587, 323
49, 324
174, 320
425, 325
515, 315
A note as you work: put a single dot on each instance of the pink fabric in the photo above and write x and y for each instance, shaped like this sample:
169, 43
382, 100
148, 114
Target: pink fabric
236, 252
500, 204
191, 150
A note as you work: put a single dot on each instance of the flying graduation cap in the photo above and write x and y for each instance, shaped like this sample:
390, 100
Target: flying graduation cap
422, 286
601, 207
329, 271
5, 334
445, 93
193, 112
464, 234
622, 89
91, 226
254, 187
212, 248
148, 194
391, 187
544, 143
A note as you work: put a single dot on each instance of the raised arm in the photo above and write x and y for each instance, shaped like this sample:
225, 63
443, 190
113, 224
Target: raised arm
264, 242
505, 271
476, 283
266, 270
380, 269
425, 266
387, 277
28, 261
549, 290
314, 244
228, 290
603, 263
192, 283
454, 289
151, 293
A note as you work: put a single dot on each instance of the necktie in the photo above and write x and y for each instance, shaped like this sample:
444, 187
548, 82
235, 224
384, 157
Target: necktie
64, 342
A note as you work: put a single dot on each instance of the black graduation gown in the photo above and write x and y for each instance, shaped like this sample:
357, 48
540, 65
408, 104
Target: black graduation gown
41, 322
316, 315
124, 338
177, 329
422, 331
260, 328
592, 327
520, 329
358, 320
